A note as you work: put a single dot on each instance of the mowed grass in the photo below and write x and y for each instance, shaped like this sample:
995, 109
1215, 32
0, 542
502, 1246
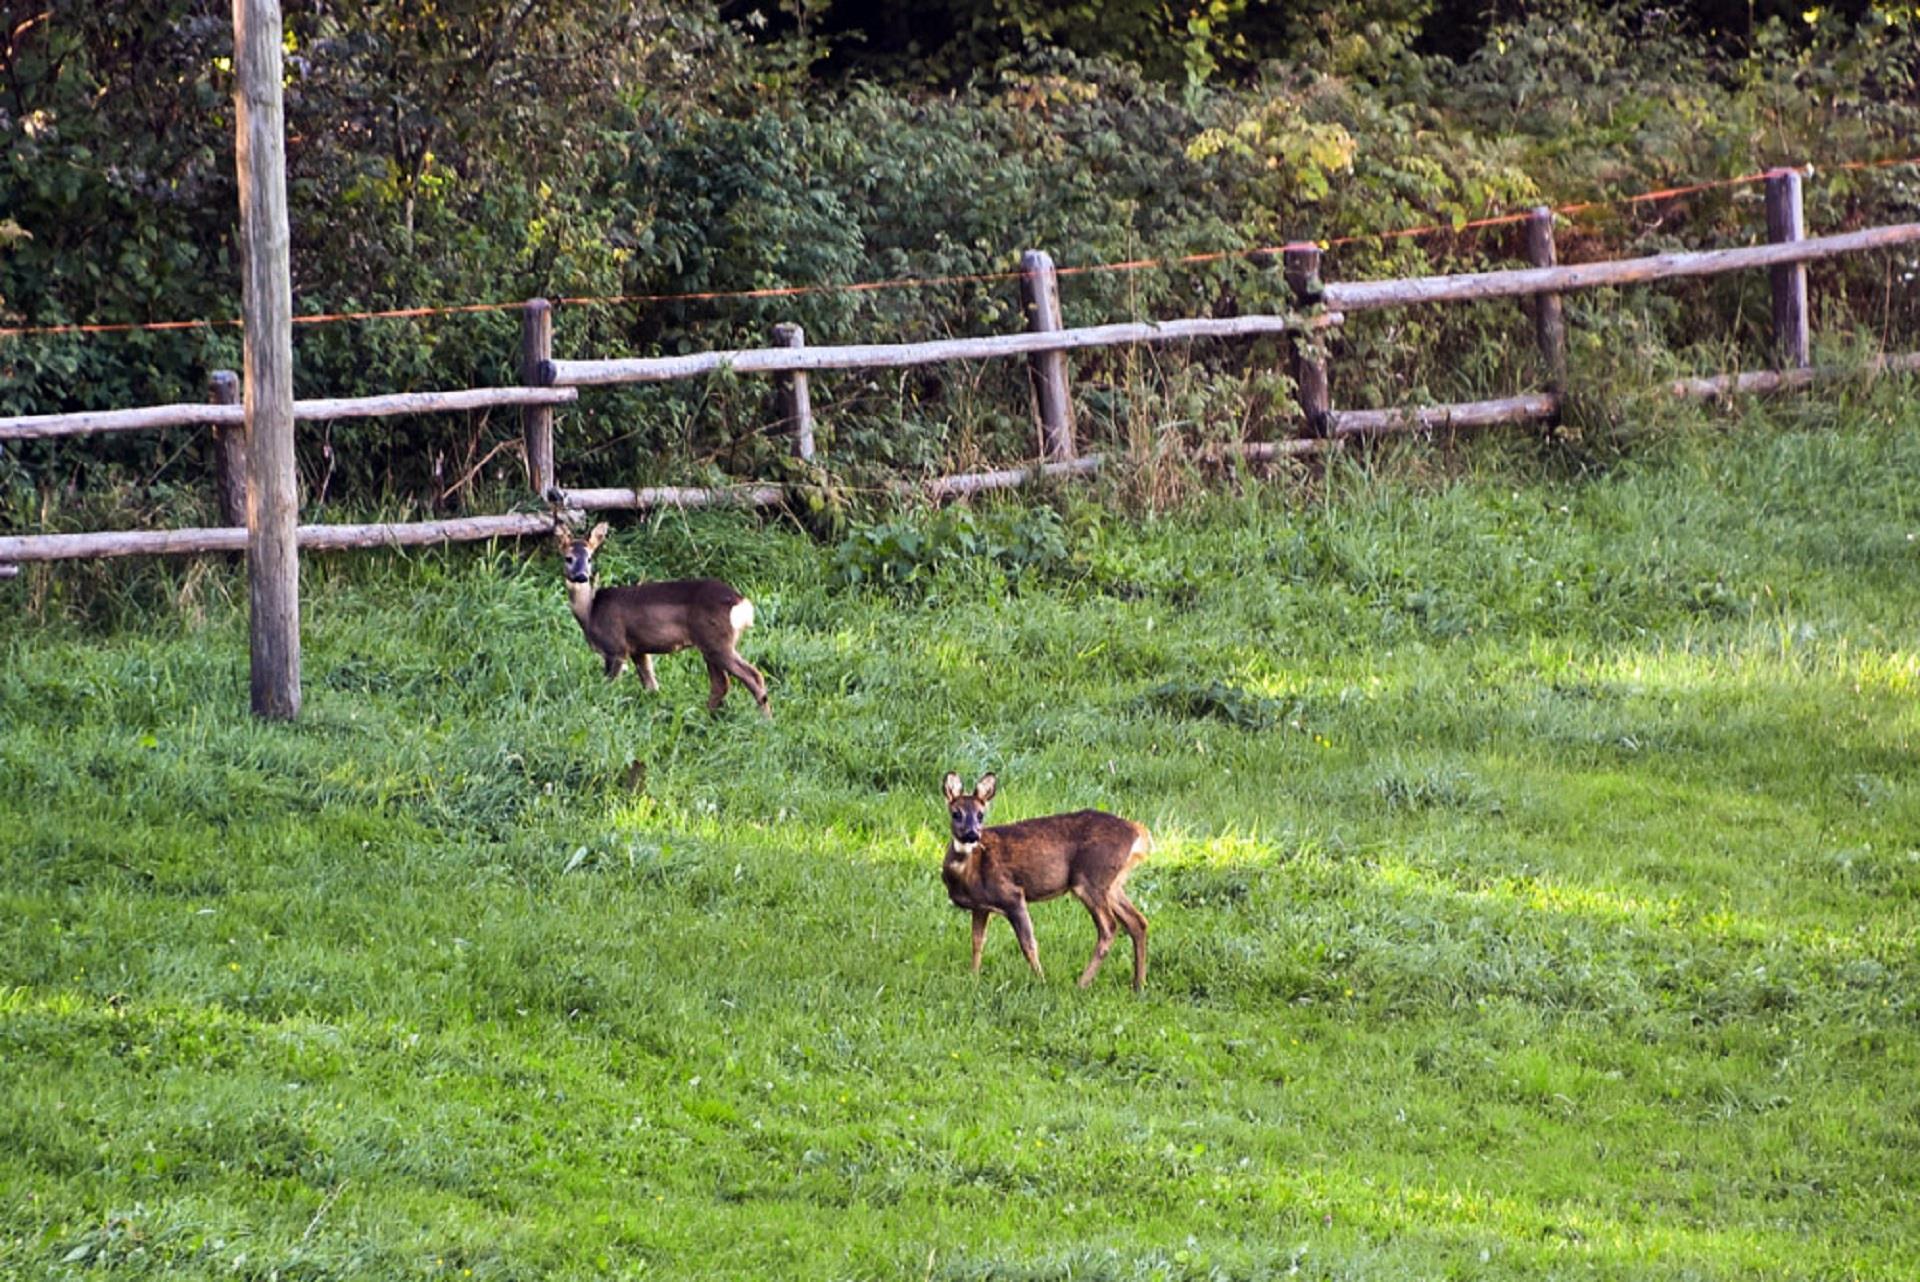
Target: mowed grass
1535, 896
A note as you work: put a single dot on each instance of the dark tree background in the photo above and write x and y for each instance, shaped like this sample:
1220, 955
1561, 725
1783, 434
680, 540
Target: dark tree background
492, 150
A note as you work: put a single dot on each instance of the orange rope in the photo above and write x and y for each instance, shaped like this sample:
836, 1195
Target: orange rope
317, 318
920, 282
1498, 220
1427, 230
404, 313
1877, 164
1145, 264
16, 330
791, 291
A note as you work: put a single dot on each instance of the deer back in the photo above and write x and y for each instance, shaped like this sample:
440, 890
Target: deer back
1044, 857
659, 618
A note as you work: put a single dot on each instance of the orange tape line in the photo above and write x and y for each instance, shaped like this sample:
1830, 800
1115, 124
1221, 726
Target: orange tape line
921, 282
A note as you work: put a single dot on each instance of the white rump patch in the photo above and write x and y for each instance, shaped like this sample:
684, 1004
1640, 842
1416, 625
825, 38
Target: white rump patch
741, 616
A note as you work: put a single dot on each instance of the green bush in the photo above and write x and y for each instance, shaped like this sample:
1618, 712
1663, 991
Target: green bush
663, 153
903, 554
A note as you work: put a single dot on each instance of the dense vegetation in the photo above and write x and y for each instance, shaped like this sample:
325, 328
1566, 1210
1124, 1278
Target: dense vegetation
1535, 897
486, 151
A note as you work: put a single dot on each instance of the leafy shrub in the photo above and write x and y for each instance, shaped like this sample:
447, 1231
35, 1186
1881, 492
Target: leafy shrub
905, 552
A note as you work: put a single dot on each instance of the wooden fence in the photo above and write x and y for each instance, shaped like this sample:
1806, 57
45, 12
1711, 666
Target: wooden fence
1322, 307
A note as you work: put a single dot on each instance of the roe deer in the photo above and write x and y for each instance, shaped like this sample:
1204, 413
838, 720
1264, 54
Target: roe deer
1004, 868
646, 619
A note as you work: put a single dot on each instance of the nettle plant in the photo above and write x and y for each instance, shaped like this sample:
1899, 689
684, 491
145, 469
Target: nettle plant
903, 554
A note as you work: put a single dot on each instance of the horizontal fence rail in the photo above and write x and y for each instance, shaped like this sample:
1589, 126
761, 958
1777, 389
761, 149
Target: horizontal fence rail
33, 427
1349, 425
1756, 382
787, 360
601, 500
1429, 418
311, 538
1360, 296
1007, 478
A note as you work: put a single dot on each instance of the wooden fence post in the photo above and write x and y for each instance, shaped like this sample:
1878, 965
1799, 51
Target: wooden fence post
266, 309
536, 421
1046, 371
1549, 314
229, 452
1301, 262
1787, 221
796, 403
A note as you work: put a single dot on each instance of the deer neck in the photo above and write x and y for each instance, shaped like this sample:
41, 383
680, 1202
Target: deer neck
580, 597
962, 856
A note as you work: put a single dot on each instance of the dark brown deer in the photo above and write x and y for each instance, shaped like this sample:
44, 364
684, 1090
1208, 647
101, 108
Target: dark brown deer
646, 619
1004, 868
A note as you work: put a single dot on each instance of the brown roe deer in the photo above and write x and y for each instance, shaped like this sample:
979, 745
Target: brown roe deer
646, 619
1004, 868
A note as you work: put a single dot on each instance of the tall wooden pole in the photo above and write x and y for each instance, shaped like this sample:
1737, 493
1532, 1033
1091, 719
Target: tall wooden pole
1301, 263
1549, 315
796, 401
229, 451
536, 370
266, 309
1046, 371
1787, 221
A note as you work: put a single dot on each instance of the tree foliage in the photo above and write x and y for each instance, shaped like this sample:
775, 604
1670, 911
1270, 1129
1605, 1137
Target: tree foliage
492, 150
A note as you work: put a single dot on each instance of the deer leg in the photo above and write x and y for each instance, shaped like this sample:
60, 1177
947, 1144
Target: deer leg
614, 663
1023, 931
980, 919
1135, 922
1102, 923
750, 677
644, 665
717, 682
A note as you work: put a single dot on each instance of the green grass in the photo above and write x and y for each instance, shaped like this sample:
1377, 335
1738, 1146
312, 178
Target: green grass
1535, 896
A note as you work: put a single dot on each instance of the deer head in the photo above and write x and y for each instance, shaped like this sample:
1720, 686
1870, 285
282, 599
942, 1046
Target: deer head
578, 553
968, 810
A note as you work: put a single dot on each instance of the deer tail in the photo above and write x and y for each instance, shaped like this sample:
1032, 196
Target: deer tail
741, 616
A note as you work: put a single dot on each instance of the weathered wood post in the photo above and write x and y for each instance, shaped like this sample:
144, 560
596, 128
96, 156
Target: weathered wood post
266, 309
536, 421
796, 403
1301, 263
1549, 314
1787, 221
229, 451
1046, 371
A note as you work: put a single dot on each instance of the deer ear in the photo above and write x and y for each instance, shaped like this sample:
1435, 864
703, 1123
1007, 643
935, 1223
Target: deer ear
562, 536
598, 537
984, 790
951, 786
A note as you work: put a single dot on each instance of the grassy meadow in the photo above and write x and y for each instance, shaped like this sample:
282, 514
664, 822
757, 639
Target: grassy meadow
1537, 895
